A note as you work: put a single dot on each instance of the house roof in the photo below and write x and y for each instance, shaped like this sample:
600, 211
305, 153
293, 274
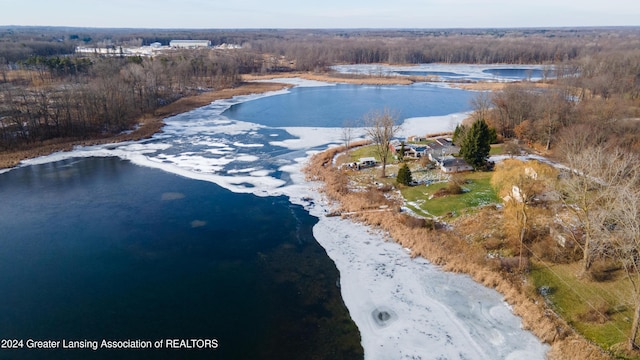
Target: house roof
453, 161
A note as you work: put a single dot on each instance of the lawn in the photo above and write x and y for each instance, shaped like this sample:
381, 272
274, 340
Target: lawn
478, 192
496, 149
366, 151
572, 297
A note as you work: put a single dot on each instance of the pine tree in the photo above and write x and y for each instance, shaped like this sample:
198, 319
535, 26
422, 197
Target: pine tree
404, 175
459, 134
476, 145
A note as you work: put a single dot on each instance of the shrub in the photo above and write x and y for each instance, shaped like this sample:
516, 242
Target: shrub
599, 314
549, 250
601, 271
414, 222
514, 264
454, 189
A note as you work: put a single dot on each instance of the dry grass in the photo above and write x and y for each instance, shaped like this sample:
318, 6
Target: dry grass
340, 78
148, 124
494, 86
454, 252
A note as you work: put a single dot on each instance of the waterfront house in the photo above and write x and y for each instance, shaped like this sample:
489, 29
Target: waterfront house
450, 164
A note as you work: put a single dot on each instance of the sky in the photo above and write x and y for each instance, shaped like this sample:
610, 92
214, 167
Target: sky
230, 14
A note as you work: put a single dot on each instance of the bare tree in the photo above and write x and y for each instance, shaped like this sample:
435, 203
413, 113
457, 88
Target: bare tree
597, 176
381, 127
553, 109
347, 135
481, 104
622, 230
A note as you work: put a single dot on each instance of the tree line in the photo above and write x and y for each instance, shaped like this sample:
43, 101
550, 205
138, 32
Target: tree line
85, 97
600, 95
309, 49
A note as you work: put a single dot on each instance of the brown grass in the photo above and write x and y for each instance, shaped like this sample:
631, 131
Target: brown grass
455, 253
148, 124
340, 78
494, 86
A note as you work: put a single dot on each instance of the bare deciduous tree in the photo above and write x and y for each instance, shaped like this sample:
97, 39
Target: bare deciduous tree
381, 127
347, 135
597, 176
481, 104
623, 230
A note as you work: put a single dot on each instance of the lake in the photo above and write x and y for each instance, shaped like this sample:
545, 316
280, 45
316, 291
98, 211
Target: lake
344, 104
210, 231
99, 248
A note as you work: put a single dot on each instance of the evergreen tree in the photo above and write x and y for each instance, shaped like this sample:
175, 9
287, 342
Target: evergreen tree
459, 134
476, 145
404, 175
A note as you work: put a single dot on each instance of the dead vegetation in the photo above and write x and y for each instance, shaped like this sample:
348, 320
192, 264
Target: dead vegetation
333, 77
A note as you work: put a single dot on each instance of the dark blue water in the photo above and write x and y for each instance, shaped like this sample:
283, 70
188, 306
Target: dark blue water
99, 248
516, 73
331, 106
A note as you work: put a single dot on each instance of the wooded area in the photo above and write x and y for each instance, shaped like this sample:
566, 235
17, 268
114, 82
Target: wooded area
77, 97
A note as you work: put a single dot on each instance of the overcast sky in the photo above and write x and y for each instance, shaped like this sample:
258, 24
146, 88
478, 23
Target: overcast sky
320, 14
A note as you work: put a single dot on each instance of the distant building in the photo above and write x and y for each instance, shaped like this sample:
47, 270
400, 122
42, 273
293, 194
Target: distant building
189, 44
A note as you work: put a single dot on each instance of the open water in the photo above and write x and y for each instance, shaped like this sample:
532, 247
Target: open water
99, 248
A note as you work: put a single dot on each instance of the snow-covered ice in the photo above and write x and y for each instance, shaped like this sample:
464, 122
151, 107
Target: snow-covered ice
410, 309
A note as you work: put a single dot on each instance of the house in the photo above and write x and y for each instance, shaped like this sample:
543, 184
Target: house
416, 138
450, 164
410, 150
441, 147
416, 151
189, 44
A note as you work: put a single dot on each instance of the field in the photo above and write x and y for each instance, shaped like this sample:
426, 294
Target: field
477, 191
600, 311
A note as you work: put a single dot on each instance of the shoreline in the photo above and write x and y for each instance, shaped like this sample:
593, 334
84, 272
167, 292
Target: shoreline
148, 124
